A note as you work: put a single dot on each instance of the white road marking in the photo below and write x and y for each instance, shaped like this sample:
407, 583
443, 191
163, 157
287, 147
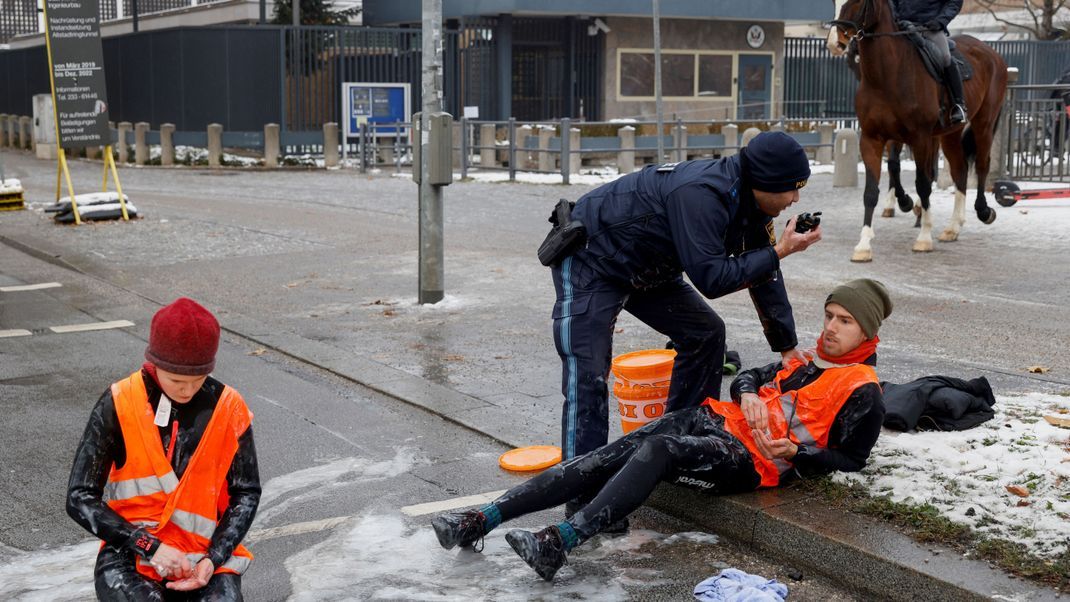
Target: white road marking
29, 287
453, 504
91, 326
18, 332
311, 526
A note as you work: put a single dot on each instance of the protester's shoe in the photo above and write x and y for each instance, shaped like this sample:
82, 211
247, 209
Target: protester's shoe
543, 551
460, 529
619, 527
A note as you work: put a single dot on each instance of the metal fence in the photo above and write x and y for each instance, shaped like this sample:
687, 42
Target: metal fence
1036, 129
817, 84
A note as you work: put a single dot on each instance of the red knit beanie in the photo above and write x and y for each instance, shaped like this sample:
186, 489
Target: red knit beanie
183, 339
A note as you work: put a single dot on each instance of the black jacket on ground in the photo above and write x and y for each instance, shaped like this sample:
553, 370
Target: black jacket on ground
853, 433
102, 445
923, 11
938, 403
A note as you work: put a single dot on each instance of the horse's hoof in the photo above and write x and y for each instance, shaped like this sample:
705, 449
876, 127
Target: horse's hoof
948, 235
917, 210
906, 203
889, 212
988, 219
923, 246
862, 256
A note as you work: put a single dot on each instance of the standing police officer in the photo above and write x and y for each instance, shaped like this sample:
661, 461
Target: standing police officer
710, 219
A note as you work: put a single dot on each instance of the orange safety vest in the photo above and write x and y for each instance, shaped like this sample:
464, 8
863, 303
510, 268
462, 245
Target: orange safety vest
182, 513
805, 415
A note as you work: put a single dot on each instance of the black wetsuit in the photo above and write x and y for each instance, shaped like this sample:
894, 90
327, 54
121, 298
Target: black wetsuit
102, 446
690, 447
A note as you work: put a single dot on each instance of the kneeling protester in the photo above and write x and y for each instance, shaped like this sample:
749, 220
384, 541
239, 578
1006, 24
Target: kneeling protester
171, 449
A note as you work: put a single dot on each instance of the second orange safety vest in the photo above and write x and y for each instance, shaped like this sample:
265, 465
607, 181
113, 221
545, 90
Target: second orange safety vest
804, 415
182, 513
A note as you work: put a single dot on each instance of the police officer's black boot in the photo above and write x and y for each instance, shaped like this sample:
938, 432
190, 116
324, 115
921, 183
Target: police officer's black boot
460, 529
544, 551
958, 103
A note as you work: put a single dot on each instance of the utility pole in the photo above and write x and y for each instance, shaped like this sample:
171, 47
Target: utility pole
295, 8
432, 272
657, 83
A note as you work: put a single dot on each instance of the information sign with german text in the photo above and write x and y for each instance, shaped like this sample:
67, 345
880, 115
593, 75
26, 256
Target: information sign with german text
79, 87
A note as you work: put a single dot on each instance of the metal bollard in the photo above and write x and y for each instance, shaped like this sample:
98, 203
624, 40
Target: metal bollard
512, 149
731, 139
845, 157
566, 151
167, 144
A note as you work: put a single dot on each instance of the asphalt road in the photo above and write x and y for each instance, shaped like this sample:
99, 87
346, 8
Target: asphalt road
338, 463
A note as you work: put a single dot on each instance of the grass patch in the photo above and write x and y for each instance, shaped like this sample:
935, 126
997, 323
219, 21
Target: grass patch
925, 524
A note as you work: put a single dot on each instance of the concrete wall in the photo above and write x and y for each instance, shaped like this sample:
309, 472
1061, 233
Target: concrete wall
687, 34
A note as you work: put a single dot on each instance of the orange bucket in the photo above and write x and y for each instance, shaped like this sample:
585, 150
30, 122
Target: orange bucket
642, 385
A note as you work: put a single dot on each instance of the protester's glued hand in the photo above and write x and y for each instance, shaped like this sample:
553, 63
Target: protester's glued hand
773, 448
170, 562
202, 573
754, 411
794, 242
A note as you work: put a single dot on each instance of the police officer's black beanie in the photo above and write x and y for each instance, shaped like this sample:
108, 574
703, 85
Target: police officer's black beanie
867, 300
774, 162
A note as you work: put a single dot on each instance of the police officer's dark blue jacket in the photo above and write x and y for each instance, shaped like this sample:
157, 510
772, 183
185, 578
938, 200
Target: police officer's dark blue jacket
697, 217
925, 11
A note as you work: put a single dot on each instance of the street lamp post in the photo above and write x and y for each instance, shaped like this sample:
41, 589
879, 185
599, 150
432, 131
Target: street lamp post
431, 279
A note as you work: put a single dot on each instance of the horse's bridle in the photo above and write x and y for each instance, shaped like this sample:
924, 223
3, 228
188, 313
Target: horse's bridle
860, 24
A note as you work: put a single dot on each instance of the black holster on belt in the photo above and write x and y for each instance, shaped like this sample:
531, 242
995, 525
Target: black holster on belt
565, 238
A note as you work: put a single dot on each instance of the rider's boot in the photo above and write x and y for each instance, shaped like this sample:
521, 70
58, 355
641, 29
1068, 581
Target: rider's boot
958, 102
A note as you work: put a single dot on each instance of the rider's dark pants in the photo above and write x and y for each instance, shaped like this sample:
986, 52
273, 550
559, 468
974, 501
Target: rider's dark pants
117, 580
584, 317
689, 447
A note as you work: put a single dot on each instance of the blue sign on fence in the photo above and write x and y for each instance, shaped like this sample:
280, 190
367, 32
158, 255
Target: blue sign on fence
375, 104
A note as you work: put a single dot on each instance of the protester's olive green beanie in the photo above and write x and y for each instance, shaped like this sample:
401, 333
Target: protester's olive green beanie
867, 300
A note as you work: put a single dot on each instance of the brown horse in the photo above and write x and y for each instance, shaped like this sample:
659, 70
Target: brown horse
897, 100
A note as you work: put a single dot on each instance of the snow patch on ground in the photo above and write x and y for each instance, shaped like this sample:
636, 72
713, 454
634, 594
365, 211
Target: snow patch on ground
588, 177
965, 474
60, 574
10, 185
308, 484
380, 556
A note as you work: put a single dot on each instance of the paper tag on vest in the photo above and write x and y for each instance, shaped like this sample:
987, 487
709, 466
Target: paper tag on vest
163, 411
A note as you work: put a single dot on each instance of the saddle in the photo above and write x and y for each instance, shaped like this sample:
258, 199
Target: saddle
930, 58
929, 55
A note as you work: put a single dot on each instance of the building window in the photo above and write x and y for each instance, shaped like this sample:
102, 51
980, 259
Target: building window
715, 74
685, 74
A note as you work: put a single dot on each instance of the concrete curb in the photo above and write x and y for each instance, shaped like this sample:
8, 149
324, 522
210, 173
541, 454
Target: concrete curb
862, 554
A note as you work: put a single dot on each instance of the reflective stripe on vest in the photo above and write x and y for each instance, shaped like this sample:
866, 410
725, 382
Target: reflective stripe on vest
193, 523
131, 488
795, 424
235, 563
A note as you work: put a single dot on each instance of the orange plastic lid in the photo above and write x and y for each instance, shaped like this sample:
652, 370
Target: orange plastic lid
647, 365
528, 459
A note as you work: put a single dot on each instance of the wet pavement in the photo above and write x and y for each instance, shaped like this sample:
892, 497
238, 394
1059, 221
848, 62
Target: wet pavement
338, 462
327, 261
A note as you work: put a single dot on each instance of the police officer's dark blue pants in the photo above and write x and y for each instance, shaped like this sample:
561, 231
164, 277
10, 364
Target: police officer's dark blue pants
584, 317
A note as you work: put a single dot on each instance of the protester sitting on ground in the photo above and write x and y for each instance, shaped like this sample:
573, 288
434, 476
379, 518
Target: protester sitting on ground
804, 419
161, 443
